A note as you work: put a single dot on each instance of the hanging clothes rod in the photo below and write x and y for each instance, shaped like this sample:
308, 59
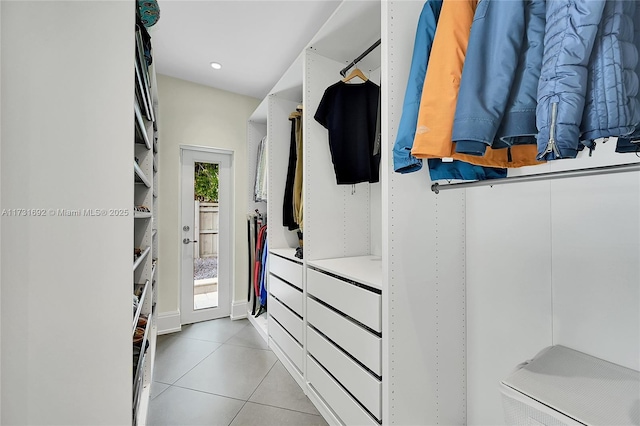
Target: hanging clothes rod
359, 58
562, 174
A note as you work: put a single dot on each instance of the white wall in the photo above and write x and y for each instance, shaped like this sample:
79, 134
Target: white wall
67, 143
198, 115
552, 262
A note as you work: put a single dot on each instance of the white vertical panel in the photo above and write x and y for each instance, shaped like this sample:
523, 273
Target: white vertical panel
1, 206
336, 221
255, 132
509, 312
279, 140
423, 258
375, 191
596, 253
67, 143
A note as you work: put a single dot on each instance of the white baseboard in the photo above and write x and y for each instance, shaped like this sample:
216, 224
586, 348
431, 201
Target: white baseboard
238, 310
169, 322
260, 324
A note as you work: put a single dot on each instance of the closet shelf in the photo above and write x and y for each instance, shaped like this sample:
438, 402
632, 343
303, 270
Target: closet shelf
139, 310
141, 215
361, 269
140, 126
139, 86
141, 360
153, 272
141, 258
140, 176
143, 76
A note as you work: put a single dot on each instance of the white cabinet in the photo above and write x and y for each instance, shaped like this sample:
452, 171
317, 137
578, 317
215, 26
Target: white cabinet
145, 229
344, 334
416, 305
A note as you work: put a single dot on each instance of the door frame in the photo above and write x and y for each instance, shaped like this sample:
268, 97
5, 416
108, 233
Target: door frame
225, 239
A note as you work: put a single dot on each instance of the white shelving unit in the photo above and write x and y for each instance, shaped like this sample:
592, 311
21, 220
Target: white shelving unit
449, 292
145, 226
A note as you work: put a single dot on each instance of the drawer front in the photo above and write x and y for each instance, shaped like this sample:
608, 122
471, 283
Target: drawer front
360, 383
289, 295
289, 271
288, 319
360, 343
349, 411
286, 343
360, 304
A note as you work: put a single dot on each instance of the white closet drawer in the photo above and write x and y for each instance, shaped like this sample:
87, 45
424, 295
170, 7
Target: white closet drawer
286, 318
286, 269
289, 295
363, 345
360, 304
360, 383
349, 411
286, 343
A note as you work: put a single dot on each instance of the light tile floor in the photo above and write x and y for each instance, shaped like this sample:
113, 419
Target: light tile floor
221, 372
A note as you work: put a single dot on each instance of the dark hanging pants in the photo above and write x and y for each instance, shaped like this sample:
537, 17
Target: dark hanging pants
288, 219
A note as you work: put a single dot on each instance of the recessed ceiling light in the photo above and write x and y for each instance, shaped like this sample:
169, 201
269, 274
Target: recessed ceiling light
215, 65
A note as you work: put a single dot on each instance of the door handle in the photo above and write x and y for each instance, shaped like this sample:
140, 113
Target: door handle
187, 241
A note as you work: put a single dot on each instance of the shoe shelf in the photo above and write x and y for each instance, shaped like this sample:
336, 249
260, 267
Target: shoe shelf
144, 276
140, 259
140, 366
145, 287
153, 271
141, 131
140, 176
143, 79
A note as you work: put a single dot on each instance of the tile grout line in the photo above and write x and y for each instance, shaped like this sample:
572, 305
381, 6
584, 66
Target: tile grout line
208, 393
199, 362
254, 391
285, 408
215, 350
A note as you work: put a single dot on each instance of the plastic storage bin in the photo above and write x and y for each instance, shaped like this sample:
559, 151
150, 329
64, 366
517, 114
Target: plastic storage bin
561, 386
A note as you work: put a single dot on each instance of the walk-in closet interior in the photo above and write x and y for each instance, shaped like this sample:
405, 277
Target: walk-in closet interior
415, 307
393, 300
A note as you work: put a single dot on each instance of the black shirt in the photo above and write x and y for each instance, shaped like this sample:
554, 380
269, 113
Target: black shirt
349, 112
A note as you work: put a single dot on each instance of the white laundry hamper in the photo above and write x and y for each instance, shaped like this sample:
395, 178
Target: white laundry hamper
561, 386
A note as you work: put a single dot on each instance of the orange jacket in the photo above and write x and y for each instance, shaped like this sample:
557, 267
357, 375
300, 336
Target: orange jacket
440, 94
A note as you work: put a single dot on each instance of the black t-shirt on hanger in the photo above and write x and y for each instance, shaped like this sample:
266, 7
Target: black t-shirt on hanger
349, 112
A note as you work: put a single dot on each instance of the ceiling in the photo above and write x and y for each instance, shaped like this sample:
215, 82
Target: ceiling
254, 40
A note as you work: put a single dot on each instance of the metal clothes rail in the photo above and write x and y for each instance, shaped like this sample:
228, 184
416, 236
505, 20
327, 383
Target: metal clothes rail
343, 72
562, 174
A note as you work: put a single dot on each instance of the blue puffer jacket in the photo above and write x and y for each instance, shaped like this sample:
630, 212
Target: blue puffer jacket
498, 90
575, 75
632, 142
611, 107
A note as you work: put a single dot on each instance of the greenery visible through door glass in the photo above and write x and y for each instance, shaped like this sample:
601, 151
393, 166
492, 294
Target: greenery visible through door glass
206, 182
